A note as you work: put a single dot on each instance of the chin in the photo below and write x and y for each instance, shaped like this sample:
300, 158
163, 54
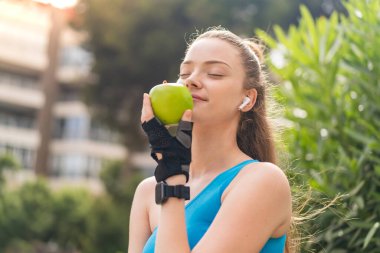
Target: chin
194, 118
199, 115
202, 120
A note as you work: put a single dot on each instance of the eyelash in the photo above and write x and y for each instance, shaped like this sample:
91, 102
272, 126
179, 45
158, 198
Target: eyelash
183, 75
210, 74
216, 75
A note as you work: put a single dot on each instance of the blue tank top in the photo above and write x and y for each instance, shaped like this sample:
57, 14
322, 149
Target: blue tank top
201, 211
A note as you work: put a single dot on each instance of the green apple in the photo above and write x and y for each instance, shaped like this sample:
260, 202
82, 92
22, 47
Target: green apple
170, 101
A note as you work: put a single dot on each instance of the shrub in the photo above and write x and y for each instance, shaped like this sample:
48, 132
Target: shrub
35, 219
330, 86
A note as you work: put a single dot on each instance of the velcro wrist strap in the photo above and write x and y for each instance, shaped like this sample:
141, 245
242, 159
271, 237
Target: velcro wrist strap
164, 191
177, 191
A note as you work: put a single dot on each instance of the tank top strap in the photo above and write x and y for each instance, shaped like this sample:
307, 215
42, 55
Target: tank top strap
219, 183
226, 177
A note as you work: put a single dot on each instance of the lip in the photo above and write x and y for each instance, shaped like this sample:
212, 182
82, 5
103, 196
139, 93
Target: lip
197, 98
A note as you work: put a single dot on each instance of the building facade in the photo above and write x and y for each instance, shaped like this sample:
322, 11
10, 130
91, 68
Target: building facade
79, 146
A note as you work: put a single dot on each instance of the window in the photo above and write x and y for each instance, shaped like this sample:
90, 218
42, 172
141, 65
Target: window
71, 128
75, 57
24, 157
24, 81
17, 119
76, 166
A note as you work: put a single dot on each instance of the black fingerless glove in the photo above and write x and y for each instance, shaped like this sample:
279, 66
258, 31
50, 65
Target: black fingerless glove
176, 151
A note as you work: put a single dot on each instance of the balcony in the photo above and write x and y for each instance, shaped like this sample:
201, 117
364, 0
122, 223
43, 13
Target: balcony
21, 96
107, 151
13, 136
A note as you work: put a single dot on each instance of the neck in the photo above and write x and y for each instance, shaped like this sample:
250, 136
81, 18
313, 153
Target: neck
214, 149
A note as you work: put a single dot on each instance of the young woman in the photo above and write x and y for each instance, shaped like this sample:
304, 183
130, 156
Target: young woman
240, 201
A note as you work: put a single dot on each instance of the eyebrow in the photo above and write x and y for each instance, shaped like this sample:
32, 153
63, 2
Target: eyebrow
207, 63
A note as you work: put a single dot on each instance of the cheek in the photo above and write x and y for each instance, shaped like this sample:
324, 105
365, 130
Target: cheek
229, 106
224, 100
228, 99
216, 110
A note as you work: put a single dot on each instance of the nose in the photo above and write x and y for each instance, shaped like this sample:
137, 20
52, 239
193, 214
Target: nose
192, 82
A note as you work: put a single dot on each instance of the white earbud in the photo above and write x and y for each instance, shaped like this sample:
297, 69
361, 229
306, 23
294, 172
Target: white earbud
246, 101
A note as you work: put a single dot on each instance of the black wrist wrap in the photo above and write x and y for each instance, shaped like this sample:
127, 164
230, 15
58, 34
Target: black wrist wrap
176, 151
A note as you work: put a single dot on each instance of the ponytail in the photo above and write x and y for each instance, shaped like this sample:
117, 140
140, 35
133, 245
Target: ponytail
254, 136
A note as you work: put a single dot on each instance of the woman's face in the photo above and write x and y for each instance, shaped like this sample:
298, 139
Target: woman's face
213, 72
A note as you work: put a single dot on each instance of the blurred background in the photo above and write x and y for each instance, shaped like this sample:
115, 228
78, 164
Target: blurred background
72, 75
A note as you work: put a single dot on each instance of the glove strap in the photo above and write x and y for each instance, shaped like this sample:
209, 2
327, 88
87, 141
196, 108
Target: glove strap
184, 133
168, 167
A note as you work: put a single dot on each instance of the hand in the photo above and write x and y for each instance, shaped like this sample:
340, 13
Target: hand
173, 154
147, 111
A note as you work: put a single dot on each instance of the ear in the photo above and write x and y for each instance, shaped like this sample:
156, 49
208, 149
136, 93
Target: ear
252, 94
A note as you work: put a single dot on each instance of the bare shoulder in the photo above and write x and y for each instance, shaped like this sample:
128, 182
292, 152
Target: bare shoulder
146, 187
267, 173
265, 178
271, 187
144, 194
269, 179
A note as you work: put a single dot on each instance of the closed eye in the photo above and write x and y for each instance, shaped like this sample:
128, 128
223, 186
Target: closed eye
184, 75
215, 75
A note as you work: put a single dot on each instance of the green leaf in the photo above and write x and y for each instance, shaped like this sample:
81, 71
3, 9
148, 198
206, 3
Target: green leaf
370, 234
357, 188
311, 31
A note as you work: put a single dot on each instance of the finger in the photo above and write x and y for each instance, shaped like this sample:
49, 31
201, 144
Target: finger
147, 111
187, 115
159, 156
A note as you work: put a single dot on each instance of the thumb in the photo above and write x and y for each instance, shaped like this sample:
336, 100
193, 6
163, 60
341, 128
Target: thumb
146, 111
187, 115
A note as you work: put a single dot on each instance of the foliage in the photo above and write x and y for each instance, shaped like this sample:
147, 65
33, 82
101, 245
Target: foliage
35, 219
119, 187
110, 225
7, 162
72, 207
26, 214
330, 85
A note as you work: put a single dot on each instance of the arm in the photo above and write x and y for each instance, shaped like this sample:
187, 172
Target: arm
172, 226
139, 229
262, 193
173, 156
